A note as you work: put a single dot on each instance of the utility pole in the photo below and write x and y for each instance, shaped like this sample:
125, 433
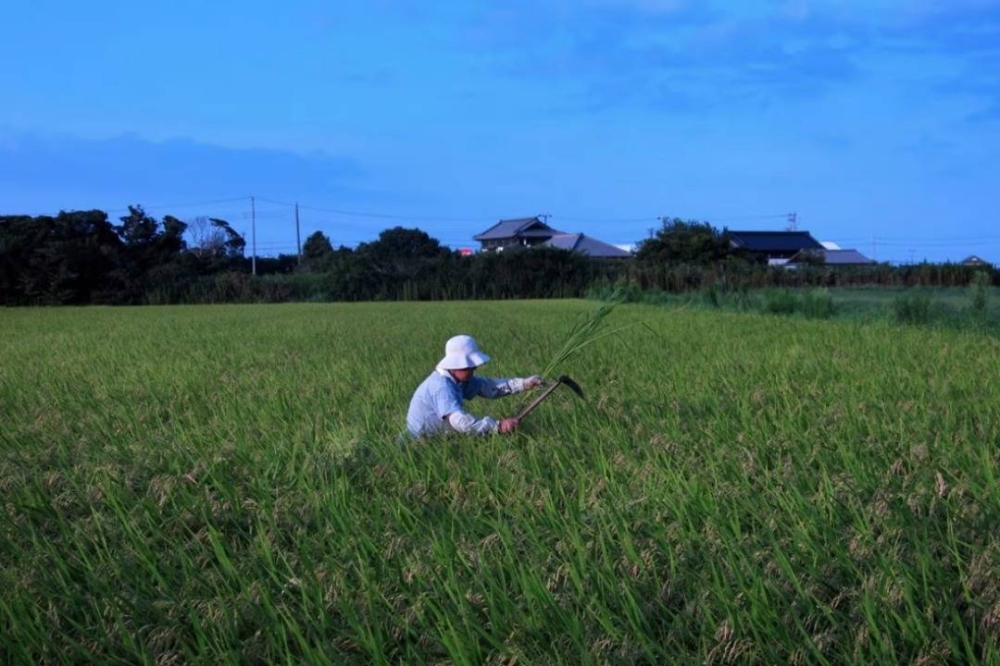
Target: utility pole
253, 237
792, 222
298, 237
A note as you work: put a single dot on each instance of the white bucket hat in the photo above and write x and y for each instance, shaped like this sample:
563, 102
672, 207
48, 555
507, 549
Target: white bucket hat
461, 352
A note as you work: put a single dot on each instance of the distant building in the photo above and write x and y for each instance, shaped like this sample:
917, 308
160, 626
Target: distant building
973, 260
588, 246
533, 232
521, 232
830, 258
775, 246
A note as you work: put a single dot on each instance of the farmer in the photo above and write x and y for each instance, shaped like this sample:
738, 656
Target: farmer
436, 406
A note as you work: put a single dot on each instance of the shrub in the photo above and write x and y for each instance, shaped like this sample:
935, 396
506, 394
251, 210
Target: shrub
743, 299
712, 294
978, 292
817, 304
912, 307
779, 301
620, 291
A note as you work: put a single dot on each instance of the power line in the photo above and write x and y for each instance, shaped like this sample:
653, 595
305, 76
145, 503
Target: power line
388, 216
918, 243
280, 214
948, 239
421, 218
928, 245
664, 217
396, 217
276, 203
188, 204
605, 219
749, 217
286, 211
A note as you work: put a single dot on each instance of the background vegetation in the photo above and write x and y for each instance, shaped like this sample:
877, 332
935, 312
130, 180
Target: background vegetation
224, 485
973, 308
83, 258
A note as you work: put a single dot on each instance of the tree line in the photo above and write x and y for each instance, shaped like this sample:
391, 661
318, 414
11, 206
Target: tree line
83, 257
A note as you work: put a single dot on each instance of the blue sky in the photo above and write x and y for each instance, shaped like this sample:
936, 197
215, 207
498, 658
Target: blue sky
877, 122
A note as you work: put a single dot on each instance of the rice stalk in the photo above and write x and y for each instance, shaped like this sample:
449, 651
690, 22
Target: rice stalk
588, 329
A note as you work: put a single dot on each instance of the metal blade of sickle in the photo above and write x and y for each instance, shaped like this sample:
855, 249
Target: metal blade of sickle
561, 380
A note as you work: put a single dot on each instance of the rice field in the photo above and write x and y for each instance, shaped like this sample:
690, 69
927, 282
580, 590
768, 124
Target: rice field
224, 484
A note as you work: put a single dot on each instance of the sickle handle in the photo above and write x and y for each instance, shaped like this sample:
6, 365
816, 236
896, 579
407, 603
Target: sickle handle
534, 403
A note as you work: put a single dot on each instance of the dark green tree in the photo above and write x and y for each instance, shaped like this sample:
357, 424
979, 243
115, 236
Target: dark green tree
151, 256
680, 242
400, 260
317, 252
69, 258
145, 242
401, 243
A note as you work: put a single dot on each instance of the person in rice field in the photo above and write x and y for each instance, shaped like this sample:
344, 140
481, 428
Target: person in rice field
437, 406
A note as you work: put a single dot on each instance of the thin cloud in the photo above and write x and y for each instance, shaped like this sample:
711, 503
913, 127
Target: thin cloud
631, 53
678, 56
990, 114
130, 165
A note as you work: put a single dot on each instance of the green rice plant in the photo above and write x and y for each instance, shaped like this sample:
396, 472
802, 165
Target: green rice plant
587, 330
222, 485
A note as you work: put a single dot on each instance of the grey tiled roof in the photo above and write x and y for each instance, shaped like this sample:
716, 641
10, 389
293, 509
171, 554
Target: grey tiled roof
586, 245
845, 257
836, 257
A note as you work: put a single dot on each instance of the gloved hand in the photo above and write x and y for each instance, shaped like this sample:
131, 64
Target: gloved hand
532, 382
508, 426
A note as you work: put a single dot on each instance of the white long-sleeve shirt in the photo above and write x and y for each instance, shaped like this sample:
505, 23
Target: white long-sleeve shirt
437, 404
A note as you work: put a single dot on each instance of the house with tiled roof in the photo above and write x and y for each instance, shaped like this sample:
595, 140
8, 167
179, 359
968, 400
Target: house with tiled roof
533, 232
973, 260
775, 246
520, 232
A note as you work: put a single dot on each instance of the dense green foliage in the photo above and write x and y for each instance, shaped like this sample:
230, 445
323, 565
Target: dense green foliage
975, 308
223, 485
734, 275
82, 258
691, 243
